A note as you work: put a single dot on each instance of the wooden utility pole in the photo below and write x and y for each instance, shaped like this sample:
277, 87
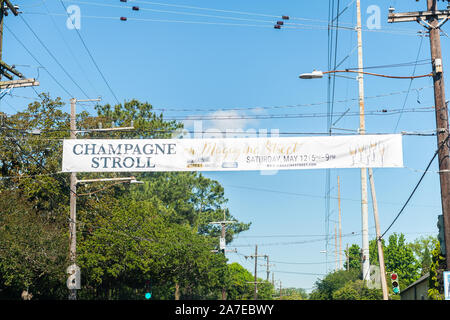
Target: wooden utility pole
348, 259
340, 225
255, 295
432, 20
6, 5
362, 130
222, 243
335, 248
379, 243
256, 273
73, 198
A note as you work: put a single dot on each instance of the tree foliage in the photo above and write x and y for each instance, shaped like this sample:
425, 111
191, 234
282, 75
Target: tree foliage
436, 279
126, 235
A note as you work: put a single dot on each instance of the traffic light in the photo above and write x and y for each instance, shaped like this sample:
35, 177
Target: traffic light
395, 283
441, 236
148, 290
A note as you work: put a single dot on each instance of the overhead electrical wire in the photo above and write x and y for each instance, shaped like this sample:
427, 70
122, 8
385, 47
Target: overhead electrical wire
53, 56
410, 83
34, 57
287, 25
74, 57
91, 56
352, 234
417, 185
208, 109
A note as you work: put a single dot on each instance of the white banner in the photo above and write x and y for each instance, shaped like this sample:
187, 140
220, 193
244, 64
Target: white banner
232, 154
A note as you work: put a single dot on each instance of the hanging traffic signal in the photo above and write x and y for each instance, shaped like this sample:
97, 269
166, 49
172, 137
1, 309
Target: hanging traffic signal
441, 236
395, 283
148, 290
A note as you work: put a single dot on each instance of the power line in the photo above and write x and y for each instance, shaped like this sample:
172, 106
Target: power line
92, 58
34, 57
410, 83
444, 142
291, 26
53, 56
67, 46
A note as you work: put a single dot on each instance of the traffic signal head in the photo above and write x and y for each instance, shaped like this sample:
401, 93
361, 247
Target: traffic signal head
395, 283
441, 236
148, 290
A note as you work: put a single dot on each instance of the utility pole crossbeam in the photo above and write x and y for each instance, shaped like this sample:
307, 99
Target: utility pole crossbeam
433, 19
222, 243
18, 83
255, 296
6, 5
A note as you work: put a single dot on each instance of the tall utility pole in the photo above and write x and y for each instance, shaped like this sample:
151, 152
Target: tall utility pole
256, 272
6, 5
336, 248
340, 225
362, 130
379, 243
433, 19
222, 243
255, 295
73, 198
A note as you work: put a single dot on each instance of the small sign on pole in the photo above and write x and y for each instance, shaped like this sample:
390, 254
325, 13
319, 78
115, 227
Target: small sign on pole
447, 285
74, 279
222, 243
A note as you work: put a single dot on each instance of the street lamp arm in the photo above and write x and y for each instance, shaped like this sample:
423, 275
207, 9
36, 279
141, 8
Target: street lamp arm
99, 190
123, 179
380, 75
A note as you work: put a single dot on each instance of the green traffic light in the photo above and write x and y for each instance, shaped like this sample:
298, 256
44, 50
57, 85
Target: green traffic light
148, 295
395, 290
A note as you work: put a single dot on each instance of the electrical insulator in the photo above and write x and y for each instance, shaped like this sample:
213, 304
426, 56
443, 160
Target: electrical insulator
135, 8
280, 23
277, 26
285, 17
123, 18
123, 0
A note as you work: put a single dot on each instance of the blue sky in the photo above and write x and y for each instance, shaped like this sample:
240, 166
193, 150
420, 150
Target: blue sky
190, 62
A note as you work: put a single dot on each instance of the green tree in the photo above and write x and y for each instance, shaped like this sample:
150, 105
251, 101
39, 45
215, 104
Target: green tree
354, 258
33, 251
325, 288
356, 290
239, 286
422, 248
125, 237
436, 279
294, 294
399, 258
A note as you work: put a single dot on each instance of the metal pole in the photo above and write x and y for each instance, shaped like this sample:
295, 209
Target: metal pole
379, 243
340, 226
256, 273
1, 30
442, 125
73, 198
364, 206
335, 248
73, 195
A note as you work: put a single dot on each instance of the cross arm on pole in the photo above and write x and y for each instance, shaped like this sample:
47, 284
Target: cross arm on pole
421, 17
